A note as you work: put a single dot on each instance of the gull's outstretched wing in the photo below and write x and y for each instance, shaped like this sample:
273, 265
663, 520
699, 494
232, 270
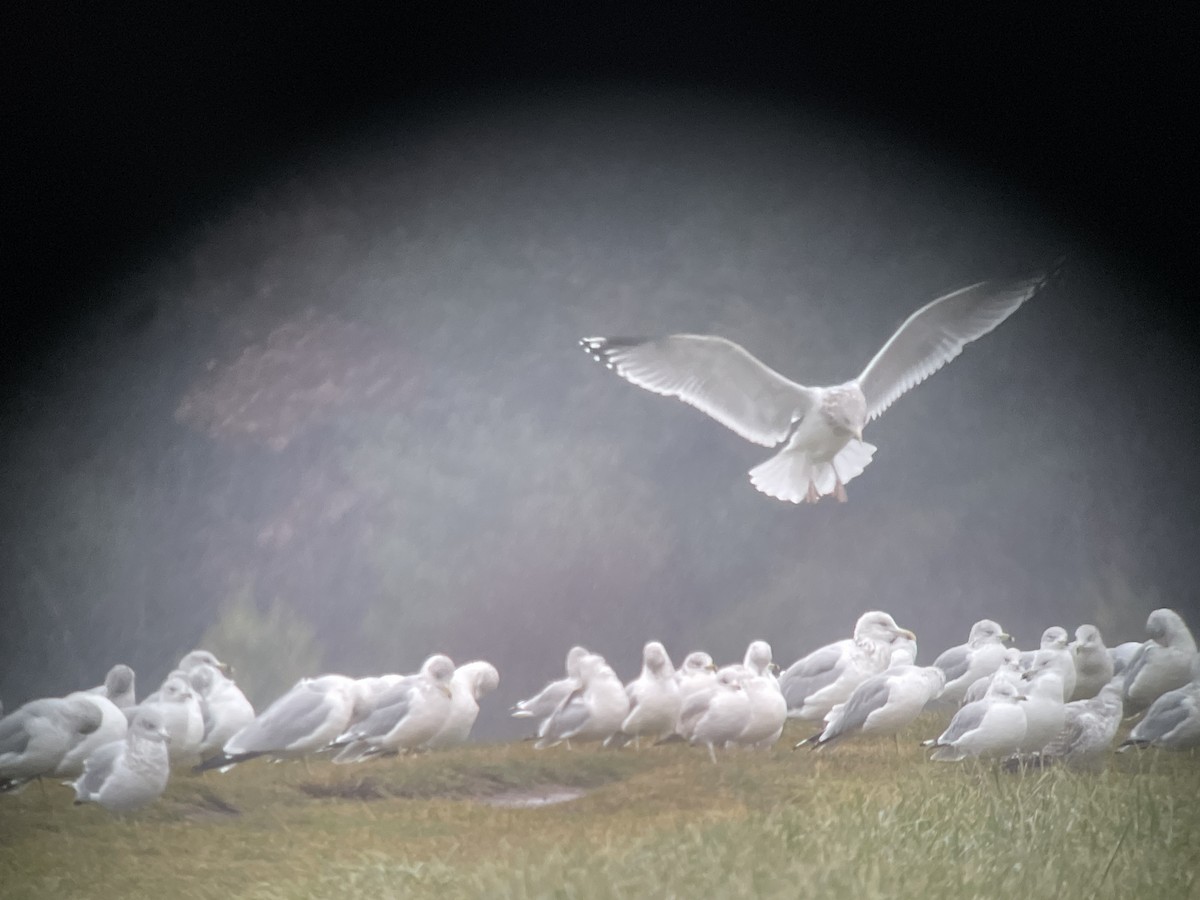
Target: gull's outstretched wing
715, 375
935, 334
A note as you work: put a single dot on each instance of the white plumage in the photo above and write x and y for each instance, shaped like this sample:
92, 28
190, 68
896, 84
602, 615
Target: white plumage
1093, 663
653, 697
471, 683
883, 704
223, 707
981, 655
820, 428
993, 726
128, 774
182, 718
302, 721
593, 711
768, 709
718, 714
405, 716
815, 684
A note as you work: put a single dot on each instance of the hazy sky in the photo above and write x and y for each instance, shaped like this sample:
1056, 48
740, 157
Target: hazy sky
300, 333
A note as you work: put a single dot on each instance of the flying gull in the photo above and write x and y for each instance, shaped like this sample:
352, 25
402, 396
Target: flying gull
820, 428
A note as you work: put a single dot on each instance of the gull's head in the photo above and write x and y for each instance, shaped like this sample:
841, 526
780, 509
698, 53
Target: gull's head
204, 658
119, 679
758, 657
1054, 637
699, 661
1166, 627
655, 658
880, 626
438, 668
844, 409
985, 631
176, 689
203, 678
574, 657
1088, 636
148, 724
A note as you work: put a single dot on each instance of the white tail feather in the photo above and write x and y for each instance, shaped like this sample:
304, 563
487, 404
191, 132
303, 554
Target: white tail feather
787, 474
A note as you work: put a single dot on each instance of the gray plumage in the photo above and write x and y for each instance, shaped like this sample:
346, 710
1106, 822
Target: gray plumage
1173, 720
993, 726
1089, 727
1122, 655
224, 708
119, 687
1162, 664
981, 655
1053, 638
302, 721
126, 775
552, 695
816, 683
35, 737
406, 715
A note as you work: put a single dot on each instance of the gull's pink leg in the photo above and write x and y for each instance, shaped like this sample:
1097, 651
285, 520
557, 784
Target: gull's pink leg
839, 491
812, 496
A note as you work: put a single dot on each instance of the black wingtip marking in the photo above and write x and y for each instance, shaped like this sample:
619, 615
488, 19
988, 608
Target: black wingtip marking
601, 349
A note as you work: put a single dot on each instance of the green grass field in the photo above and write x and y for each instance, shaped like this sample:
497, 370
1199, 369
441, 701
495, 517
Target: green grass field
865, 820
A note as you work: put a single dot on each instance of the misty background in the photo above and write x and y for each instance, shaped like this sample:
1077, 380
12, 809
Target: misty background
342, 422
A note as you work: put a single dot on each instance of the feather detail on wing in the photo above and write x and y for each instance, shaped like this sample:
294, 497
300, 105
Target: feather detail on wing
935, 334
715, 375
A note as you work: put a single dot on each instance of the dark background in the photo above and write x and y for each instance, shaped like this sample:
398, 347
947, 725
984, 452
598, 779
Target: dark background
133, 131
122, 124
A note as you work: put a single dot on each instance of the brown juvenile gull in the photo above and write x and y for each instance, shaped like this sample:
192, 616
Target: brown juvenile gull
820, 428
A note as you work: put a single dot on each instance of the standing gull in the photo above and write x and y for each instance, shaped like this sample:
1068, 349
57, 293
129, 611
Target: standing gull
1044, 708
131, 773
1054, 643
594, 711
405, 716
718, 714
768, 709
653, 698
981, 655
993, 726
884, 704
471, 683
1162, 664
224, 708
815, 684
543, 703
1093, 663
35, 737
1010, 670
1089, 727
182, 717
302, 721
697, 674
820, 428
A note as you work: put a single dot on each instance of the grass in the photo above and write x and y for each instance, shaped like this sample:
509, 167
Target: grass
865, 820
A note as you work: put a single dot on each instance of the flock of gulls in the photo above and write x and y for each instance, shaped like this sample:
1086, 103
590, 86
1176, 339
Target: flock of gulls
1062, 703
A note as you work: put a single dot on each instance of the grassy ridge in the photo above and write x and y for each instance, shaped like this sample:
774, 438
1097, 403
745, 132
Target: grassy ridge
867, 820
